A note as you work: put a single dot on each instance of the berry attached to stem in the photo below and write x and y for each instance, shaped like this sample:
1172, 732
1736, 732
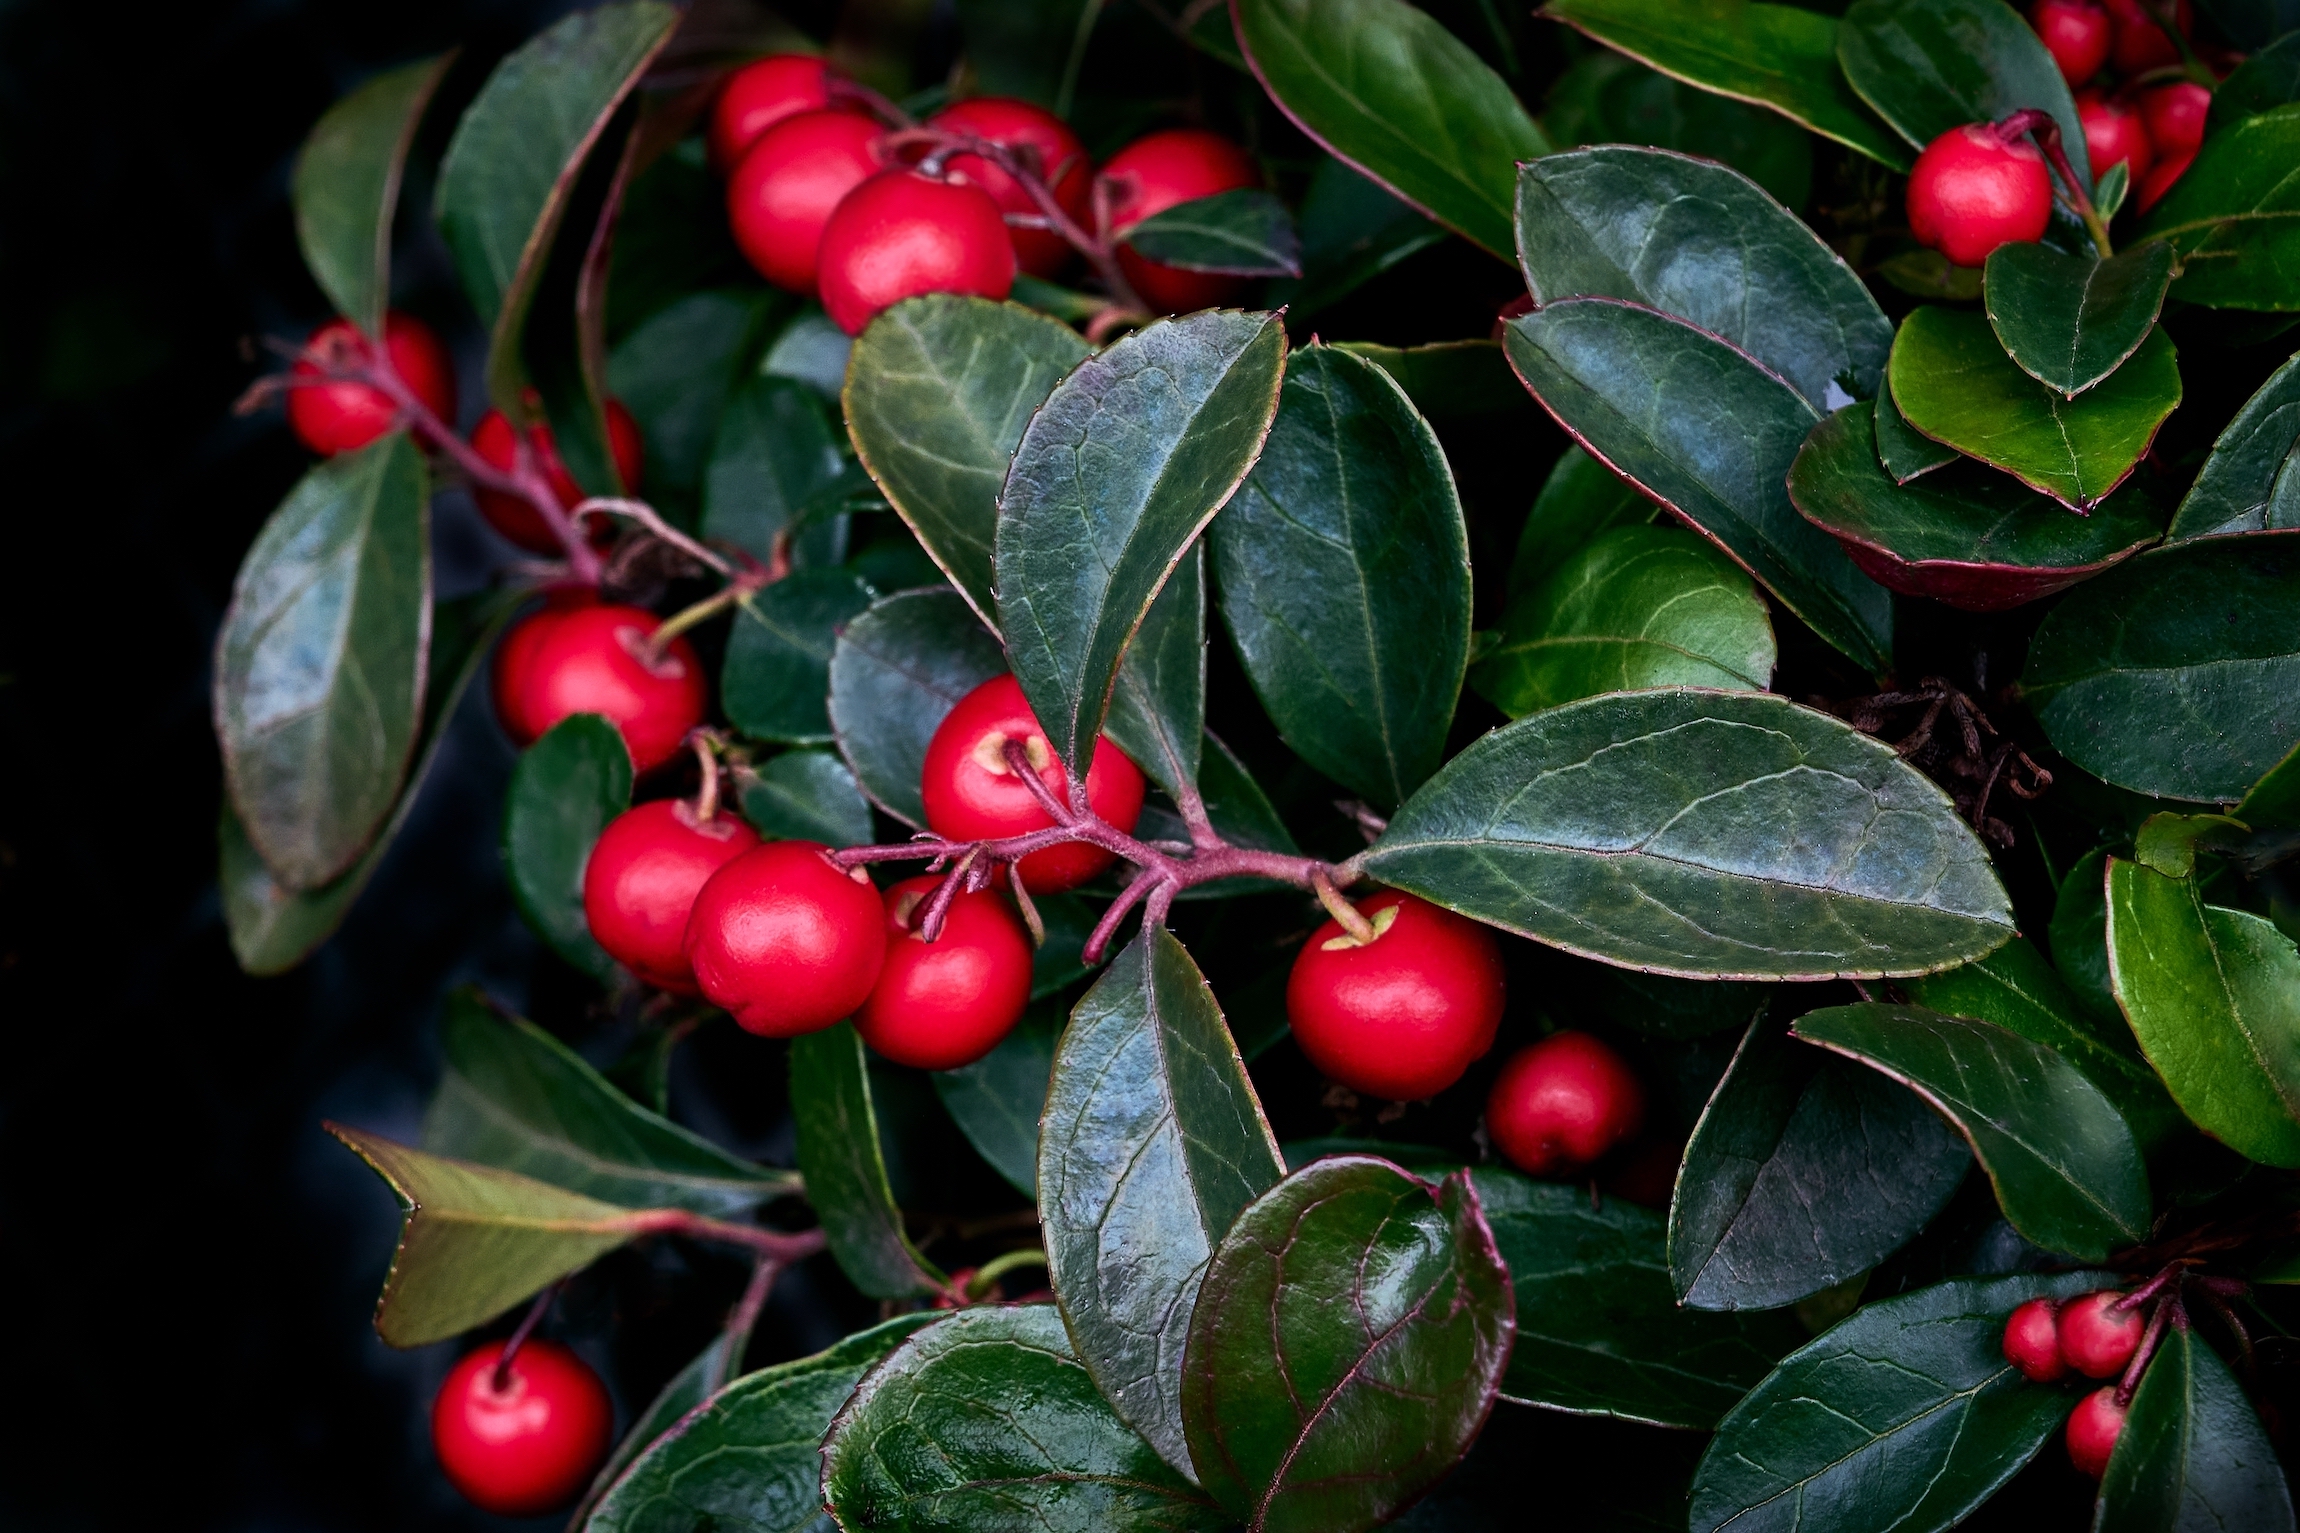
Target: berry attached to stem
332, 414
601, 659
1045, 145
2093, 1428
1161, 171
788, 182
522, 1439
1403, 1011
2099, 1333
2032, 1341
903, 233
514, 517
786, 940
1973, 190
942, 1004
646, 868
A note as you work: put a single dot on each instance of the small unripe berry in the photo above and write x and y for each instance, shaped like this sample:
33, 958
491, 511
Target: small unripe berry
787, 184
2175, 115
786, 940
531, 1446
1403, 1015
1562, 1104
2098, 1335
2076, 33
901, 234
761, 94
1162, 171
2032, 1341
2114, 131
943, 1004
2160, 178
1031, 131
519, 522
341, 417
640, 883
597, 660
1971, 192
2093, 1428
2140, 43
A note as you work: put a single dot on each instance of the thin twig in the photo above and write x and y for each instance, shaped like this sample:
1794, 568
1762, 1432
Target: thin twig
533, 1318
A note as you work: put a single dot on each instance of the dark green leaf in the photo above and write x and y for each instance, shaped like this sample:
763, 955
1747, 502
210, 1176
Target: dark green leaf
2071, 320
845, 1169
2213, 995
1343, 566
564, 790
2234, 215
773, 454
2079, 936
1068, 921
1389, 91
2178, 674
895, 671
1931, 65
688, 1388
1929, 274
347, 188
2251, 481
1348, 1342
2273, 803
1906, 1416
2169, 843
1450, 380
1116, 473
777, 675
996, 1100
812, 350
2193, 1457
1245, 233
1580, 500
1706, 431
1605, 98
1664, 1006
1647, 829
1804, 1171
1414, 1157
1905, 452
806, 796
1598, 1331
1353, 230
676, 373
1158, 707
1706, 244
2263, 82
987, 1423
1954, 383
319, 670
1236, 804
1151, 1143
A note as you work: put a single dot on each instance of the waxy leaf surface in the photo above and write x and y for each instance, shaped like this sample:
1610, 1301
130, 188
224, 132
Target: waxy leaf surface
703, 1376
2251, 480
845, 1168
1906, 452
565, 789
806, 796
2270, 78
2071, 320
776, 680
895, 672
346, 188
1931, 65
1352, 229
1158, 707
1608, 98
772, 457
2193, 1457
1580, 500
1245, 233
2234, 215
996, 1101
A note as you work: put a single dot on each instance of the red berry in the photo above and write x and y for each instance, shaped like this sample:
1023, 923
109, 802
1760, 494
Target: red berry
946, 1003
531, 1446
761, 94
1562, 1103
2093, 1428
516, 652
2166, 171
786, 940
2114, 131
595, 660
2097, 1337
2175, 116
786, 184
641, 881
1062, 165
1403, 1015
1971, 192
1155, 173
494, 440
901, 234
972, 795
338, 417
2076, 33
2140, 41
2032, 1341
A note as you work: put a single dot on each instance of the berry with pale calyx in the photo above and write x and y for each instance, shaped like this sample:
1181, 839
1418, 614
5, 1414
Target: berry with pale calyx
1402, 1011
603, 659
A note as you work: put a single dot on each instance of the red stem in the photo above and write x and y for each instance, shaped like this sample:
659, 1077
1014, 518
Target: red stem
535, 1314
2165, 1309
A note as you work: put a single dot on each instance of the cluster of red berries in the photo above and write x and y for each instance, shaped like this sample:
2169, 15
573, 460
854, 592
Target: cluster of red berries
2095, 1335
823, 199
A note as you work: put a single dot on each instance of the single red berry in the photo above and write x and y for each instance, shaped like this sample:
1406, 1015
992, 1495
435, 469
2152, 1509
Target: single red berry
2098, 1336
1562, 1103
516, 652
1034, 133
2175, 116
530, 1446
1161, 171
2032, 1341
972, 795
338, 417
788, 182
1403, 1015
786, 940
761, 94
2160, 177
946, 1003
2140, 41
2093, 1428
494, 440
902, 233
2114, 131
597, 660
641, 881
1971, 192
2076, 33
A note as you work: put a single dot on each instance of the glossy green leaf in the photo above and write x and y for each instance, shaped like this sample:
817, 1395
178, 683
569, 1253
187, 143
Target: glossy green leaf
1905, 452
1343, 566
938, 392
845, 1168
1607, 98
1598, 1330
988, 1423
565, 789
1778, 56
1954, 383
2065, 1165
2234, 215
996, 1100
703, 1376
2169, 843
1580, 500
1068, 920
346, 187
1637, 607
1388, 90
1931, 65
677, 372
2268, 79
2273, 803
749, 1460
895, 672
776, 682
1803, 1171
1158, 706
1968, 536
319, 669
1116, 473
1151, 1143
1706, 431
2193, 1457
1450, 380
1704, 243
2078, 935
1905, 1416
2178, 674
773, 454
806, 796
1647, 829
2071, 320
2251, 480
1352, 231
2213, 995
1346, 1347
1245, 233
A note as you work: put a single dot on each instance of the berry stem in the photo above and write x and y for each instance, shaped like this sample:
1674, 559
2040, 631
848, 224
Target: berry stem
2040, 126
2166, 1308
774, 1244
646, 516
745, 1315
1024, 903
705, 743
1351, 918
987, 1275
533, 1318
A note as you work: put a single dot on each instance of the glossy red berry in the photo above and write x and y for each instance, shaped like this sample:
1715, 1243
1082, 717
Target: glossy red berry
2032, 1341
2114, 131
1155, 173
1033, 132
531, 1446
516, 651
1971, 192
2160, 178
972, 795
1563, 1103
2175, 116
902, 233
1403, 1015
596, 660
2097, 1336
494, 440
787, 184
2093, 1428
2140, 43
946, 1003
640, 883
2076, 33
339, 417
761, 94
786, 940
